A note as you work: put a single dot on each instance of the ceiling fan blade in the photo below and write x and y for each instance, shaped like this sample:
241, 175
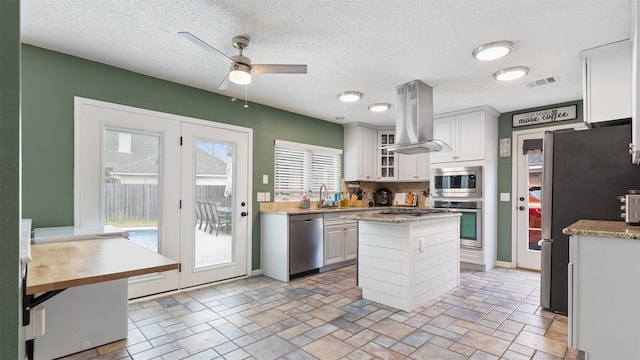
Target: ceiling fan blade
278, 69
224, 85
196, 40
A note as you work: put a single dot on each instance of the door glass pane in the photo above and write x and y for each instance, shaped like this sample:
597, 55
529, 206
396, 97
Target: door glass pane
131, 201
534, 170
213, 233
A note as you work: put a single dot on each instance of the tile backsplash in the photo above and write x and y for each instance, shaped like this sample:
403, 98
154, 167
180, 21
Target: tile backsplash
370, 187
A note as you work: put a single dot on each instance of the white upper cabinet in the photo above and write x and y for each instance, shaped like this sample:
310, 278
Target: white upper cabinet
607, 82
465, 133
414, 167
360, 154
634, 147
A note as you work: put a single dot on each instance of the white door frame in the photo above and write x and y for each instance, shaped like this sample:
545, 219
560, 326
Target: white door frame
85, 209
514, 178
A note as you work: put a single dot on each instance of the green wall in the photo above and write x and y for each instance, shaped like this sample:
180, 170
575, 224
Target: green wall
50, 80
505, 208
11, 336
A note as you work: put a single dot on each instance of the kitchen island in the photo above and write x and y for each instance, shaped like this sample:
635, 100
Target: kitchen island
604, 291
405, 261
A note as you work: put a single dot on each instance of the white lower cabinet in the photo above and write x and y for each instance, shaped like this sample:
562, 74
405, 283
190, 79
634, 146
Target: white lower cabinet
604, 293
340, 239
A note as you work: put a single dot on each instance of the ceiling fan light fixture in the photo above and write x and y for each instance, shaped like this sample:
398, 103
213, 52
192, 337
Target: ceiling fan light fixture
379, 107
511, 73
350, 96
492, 51
240, 74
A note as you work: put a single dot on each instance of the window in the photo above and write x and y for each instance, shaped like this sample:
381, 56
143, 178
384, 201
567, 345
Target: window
300, 167
124, 142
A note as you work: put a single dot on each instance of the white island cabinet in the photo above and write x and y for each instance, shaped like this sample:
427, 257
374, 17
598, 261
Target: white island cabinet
405, 262
604, 289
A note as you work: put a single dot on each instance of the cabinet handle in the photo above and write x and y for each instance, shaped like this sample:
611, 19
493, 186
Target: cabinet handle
421, 245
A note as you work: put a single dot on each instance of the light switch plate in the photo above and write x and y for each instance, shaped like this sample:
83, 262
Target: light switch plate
505, 196
267, 196
265, 179
261, 196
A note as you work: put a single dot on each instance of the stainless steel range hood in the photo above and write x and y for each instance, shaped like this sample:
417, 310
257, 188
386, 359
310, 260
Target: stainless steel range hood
414, 120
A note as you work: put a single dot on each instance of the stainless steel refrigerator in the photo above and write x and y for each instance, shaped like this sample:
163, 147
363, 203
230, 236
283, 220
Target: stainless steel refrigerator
583, 174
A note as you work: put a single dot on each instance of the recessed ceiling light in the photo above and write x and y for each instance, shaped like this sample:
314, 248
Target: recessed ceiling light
379, 107
349, 96
492, 51
511, 73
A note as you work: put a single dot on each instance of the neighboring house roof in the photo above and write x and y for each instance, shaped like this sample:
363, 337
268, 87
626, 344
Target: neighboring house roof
207, 164
143, 156
144, 166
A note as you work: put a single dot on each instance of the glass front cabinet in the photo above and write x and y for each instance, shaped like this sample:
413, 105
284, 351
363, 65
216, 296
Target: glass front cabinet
387, 160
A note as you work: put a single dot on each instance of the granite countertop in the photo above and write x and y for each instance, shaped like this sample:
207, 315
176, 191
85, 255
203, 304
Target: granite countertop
397, 219
602, 228
319, 210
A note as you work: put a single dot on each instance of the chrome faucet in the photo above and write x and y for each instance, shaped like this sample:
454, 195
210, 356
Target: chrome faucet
322, 195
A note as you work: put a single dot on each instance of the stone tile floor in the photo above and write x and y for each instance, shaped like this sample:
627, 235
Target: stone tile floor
491, 315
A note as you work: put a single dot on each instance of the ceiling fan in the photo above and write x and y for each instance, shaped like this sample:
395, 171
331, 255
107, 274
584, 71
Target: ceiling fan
241, 67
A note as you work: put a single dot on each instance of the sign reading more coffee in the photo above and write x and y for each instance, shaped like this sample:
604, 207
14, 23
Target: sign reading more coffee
545, 116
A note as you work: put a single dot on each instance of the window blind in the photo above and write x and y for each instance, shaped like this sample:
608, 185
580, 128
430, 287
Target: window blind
300, 167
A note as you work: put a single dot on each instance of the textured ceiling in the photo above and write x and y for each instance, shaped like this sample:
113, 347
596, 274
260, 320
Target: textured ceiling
364, 45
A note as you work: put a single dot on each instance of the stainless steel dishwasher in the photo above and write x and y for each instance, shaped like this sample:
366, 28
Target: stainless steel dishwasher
305, 243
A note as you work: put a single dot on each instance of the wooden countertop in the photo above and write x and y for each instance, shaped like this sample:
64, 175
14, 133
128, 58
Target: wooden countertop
61, 265
602, 228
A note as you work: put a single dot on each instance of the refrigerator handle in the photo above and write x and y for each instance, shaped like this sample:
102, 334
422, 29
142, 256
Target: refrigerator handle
547, 184
545, 273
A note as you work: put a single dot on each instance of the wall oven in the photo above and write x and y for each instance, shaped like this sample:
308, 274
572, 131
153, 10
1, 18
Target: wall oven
470, 221
457, 182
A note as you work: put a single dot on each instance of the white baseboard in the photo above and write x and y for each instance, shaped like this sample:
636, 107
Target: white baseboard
505, 264
256, 272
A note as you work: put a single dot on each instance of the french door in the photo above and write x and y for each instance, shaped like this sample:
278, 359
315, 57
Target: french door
215, 226
528, 200
527, 188
170, 182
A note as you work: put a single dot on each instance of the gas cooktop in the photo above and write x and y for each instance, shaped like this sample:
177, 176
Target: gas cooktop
412, 211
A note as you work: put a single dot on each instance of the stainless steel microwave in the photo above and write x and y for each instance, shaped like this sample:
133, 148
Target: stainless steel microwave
457, 182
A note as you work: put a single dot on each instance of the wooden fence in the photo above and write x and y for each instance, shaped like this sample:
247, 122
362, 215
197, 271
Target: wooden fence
133, 202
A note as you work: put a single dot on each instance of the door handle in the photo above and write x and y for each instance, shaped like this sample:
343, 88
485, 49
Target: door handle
521, 207
244, 213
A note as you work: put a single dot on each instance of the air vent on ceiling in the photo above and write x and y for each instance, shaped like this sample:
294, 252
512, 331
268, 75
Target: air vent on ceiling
545, 81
